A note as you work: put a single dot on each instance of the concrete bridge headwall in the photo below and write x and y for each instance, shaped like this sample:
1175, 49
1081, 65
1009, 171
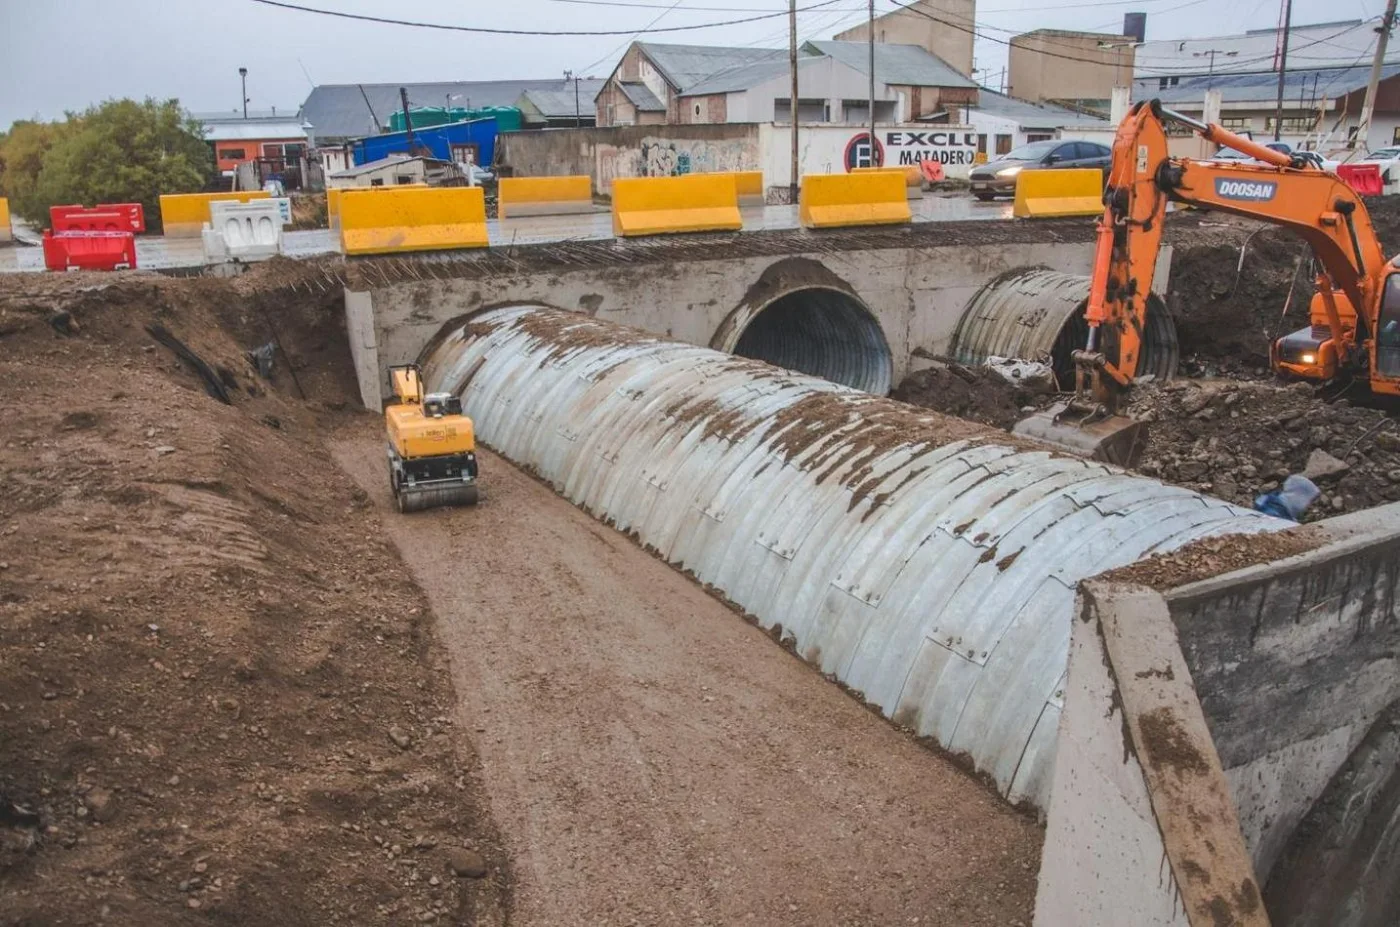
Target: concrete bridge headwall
861, 317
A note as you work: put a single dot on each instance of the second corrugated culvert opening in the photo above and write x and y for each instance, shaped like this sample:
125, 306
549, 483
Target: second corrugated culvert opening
1038, 314
822, 332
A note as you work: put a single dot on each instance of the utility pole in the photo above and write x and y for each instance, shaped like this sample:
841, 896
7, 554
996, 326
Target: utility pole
792, 109
243, 78
1282, 66
872, 83
1210, 70
407, 120
1363, 128
569, 76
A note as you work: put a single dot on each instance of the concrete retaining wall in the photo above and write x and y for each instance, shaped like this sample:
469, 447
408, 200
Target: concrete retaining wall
916, 295
1292, 665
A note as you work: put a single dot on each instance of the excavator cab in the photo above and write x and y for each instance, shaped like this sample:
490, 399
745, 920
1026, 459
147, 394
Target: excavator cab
1315, 352
1385, 376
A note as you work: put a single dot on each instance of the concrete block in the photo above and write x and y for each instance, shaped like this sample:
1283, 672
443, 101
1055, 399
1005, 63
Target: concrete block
6, 235
405, 218
183, 215
1048, 194
868, 198
545, 196
243, 231
666, 205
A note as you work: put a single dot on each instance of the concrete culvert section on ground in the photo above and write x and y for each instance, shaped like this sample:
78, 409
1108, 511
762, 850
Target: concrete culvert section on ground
1038, 314
927, 563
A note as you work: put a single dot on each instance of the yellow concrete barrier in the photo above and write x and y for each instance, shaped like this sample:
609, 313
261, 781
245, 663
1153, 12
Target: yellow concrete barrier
5, 234
1068, 192
913, 177
392, 219
663, 205
333, 195
868, 198
544, 196
182, 215
749, 186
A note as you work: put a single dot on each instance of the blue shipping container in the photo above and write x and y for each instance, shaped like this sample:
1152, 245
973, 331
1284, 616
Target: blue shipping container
440, 140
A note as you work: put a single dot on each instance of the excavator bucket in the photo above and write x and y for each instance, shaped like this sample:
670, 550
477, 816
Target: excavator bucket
1114, 439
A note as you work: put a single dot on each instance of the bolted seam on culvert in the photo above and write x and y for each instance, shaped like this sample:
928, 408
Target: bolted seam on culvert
926, 562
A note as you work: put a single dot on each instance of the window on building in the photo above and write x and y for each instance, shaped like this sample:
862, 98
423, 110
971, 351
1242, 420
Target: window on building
1237, 123
464, 154
697, 110
1038, 137
1003, 143
982, 144
1161, 83
403, 178
1291, 125
1395, 136
376, 181
232, 154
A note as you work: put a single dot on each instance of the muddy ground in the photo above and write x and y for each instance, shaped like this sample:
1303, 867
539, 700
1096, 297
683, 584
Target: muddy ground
236, 688
222, 699
1227, 426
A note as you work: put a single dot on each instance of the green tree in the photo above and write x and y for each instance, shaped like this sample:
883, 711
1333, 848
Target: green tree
119, 152
22, 152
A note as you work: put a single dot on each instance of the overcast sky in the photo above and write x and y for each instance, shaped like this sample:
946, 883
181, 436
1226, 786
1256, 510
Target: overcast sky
67, 54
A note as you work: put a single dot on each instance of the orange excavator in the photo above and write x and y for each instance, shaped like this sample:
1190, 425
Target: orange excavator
1355, 308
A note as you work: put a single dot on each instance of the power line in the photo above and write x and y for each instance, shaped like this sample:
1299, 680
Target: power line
384, 20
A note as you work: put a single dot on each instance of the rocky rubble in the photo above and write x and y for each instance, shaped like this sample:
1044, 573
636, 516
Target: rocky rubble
1234, 440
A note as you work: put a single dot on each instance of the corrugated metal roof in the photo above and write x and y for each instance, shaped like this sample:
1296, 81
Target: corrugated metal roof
911, 65
255, 129
641, 97
1309, 86
926, 563
560, 102
686, 65
338, 111
1321, 45
1030, 115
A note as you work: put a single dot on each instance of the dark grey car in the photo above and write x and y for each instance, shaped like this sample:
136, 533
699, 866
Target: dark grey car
999, 177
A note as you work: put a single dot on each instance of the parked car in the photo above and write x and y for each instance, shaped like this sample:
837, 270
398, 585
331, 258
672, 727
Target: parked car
999, 177
1389, 161
1311, 157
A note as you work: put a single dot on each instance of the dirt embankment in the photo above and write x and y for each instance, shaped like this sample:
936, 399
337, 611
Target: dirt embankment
973, 393
221, 693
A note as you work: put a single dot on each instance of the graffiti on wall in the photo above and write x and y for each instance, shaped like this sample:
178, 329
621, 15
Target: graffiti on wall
661, 157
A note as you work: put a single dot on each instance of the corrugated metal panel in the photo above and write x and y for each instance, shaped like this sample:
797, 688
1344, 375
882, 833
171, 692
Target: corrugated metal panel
925, 562
1038, 314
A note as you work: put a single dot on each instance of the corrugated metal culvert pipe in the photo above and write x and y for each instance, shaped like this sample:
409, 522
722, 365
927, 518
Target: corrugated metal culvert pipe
1038, 314
926, 562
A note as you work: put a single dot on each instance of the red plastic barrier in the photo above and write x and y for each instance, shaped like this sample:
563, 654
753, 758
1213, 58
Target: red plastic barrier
105, 217
1365, 179
89, 250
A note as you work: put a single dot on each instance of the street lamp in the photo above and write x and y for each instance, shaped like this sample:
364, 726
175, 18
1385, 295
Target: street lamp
243, 78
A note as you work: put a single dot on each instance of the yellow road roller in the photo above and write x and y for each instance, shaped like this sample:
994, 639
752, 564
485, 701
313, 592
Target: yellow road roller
432, 447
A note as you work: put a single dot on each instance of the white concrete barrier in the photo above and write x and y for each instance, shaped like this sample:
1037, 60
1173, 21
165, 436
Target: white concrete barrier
243, 231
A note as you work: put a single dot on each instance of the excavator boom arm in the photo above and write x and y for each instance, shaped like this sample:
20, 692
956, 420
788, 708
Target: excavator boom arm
1317, 205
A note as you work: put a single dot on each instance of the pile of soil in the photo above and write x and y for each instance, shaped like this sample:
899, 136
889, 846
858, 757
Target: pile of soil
221, 694
1234, 440
1228, 311
975, 394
